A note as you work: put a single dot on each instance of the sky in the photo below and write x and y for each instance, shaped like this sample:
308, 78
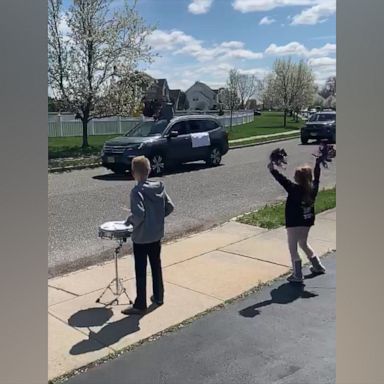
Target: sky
201, 40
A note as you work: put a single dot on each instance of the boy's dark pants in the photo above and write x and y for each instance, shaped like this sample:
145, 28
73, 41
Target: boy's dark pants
141, 251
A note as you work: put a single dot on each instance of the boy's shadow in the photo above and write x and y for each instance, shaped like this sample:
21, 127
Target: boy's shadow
110, 334
285, 294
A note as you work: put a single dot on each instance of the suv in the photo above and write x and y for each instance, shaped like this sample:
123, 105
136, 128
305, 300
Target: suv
321, 125
181, 140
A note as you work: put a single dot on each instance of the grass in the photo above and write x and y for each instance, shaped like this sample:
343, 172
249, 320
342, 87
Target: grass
262, 139
273, 215
63, 147
266, 124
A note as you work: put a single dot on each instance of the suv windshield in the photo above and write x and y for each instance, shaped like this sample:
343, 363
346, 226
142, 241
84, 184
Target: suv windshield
148, 128
323, 117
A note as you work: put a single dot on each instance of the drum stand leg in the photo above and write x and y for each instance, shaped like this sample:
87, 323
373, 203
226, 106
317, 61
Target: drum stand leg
117, 282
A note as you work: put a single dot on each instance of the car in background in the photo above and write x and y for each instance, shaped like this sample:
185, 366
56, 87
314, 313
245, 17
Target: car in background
165, 143
320, 126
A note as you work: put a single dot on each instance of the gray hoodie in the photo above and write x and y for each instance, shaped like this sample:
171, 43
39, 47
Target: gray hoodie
150, 204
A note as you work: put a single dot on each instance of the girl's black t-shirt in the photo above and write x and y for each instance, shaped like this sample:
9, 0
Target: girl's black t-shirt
298, 213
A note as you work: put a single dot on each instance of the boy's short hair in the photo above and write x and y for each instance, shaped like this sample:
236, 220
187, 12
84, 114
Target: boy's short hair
141, 166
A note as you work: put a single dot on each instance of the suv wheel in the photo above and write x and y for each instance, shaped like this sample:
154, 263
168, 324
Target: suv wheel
214, 157
118, 170
157, 164
304, 140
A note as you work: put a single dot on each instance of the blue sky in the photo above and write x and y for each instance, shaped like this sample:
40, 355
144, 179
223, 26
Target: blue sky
200, 40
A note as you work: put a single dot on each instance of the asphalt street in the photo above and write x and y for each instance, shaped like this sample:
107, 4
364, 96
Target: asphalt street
79, 201
283, 334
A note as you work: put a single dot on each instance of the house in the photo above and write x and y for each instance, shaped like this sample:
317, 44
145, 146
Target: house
202, 98
178, 99
159, 91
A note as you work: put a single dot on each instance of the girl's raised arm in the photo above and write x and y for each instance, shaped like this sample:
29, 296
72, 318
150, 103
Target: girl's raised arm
280, 178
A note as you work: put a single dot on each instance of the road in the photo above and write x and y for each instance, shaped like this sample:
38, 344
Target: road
79, 201
280, 335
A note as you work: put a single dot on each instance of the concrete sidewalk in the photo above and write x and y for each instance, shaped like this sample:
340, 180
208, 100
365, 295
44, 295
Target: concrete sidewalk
200, 272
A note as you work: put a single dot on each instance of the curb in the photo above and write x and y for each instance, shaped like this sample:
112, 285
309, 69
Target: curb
265, 142
96, 165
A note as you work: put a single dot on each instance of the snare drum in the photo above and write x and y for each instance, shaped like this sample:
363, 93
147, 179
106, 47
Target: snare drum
115, 230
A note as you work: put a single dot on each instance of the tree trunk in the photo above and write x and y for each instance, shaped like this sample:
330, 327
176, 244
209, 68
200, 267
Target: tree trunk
285, 118
85, 133
230, 122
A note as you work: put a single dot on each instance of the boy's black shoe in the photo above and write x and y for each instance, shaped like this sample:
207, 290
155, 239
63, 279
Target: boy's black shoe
157, 302
133, 311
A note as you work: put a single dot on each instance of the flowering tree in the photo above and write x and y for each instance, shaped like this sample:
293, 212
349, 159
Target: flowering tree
229, 96
290, 85
93, 61
247, 86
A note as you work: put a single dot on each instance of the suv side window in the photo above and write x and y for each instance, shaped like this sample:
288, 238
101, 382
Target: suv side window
196, 126
202, 125
210, 125
181, 127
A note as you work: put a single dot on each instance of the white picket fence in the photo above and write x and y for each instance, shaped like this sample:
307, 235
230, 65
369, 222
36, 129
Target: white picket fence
65, 125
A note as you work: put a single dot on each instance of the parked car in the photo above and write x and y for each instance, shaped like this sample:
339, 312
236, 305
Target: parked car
256, 113
320, 126
182, 139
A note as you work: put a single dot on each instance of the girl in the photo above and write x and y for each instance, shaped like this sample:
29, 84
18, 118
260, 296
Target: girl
300, 215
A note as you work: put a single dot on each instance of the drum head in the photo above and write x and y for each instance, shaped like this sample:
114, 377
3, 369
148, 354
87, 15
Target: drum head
116, 226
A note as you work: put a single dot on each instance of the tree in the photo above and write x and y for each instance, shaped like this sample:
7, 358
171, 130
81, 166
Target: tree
290, 86
92, 67
267, 92
247, 85
329, 88
229, 95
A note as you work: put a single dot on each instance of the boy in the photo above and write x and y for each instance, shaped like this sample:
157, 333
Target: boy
150, 204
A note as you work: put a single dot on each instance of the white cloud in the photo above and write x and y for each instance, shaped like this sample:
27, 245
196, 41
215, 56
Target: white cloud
199, 7
266, 21
295, 48
245, 6
316, 11
316, 14
169, 40
327, 49
232, 44
322, 62
180, 43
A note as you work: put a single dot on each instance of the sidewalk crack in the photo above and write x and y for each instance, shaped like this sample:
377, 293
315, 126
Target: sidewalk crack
255, 258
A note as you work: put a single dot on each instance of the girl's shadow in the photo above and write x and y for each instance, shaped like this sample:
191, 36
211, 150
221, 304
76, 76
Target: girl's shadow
285, 294
106, 336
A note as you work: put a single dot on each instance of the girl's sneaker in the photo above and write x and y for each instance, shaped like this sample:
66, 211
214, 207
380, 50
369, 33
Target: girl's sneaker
295, 279
317, 271
317, 268
297, 275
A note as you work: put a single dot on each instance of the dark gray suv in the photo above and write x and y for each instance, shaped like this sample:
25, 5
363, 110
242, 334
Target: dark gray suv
183, 139
320, 126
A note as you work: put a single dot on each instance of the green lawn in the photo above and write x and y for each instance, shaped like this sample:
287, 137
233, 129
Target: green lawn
61, 147
272, 216
267, 123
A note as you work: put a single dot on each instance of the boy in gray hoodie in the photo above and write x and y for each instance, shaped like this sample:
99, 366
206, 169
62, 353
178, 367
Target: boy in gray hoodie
150, 204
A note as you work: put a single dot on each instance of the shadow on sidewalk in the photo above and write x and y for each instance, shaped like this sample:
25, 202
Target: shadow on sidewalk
109, 334
285, 294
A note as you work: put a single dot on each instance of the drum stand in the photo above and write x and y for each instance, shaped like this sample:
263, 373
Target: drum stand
116, 285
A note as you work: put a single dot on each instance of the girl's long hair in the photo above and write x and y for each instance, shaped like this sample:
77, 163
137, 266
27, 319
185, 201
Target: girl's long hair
303, 177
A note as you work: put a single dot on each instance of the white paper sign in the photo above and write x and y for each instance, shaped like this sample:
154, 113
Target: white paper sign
200, 139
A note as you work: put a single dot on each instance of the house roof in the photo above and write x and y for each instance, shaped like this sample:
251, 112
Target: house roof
174, 93
200, 83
